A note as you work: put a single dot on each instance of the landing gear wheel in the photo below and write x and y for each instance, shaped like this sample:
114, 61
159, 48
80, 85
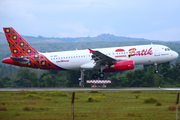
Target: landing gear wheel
156, 71
101, 75
95, 76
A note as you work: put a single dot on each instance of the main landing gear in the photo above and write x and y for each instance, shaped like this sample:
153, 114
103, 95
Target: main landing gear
101, 74
95, 76
155, 67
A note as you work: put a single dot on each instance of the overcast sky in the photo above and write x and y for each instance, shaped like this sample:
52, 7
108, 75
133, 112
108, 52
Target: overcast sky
149, 19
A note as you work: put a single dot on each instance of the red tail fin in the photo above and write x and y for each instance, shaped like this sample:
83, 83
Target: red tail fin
18, 45
24, 54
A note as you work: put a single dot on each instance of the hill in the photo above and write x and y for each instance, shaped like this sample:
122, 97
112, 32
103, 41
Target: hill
102, 37
43, 44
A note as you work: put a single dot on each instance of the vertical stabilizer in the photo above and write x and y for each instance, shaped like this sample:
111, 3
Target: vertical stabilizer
18, 45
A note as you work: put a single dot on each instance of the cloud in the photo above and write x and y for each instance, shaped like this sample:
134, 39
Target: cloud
73, 30
149, 19
172, 34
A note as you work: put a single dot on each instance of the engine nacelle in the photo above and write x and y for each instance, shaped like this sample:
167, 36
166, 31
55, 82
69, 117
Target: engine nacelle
123, 65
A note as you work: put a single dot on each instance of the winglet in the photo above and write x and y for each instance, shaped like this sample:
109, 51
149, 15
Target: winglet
90, 50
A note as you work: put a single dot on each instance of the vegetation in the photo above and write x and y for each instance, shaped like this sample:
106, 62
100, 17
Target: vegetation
173, 108
114, 105
56, 93
168, 76
3, 109
32, 96
92, 99
136, 96
158, 103
12, 76
94, 91
150, 100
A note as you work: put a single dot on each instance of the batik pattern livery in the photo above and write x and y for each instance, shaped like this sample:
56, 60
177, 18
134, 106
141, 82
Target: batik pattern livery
22, 49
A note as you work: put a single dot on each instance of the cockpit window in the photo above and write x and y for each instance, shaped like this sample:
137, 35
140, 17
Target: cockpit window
167, 49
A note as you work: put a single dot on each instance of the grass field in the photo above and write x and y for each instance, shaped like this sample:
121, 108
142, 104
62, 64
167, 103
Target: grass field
98, 105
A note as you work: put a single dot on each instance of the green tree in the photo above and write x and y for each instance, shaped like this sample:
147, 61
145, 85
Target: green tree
27, 77
149, 76
6, 81
158, 80
47, 80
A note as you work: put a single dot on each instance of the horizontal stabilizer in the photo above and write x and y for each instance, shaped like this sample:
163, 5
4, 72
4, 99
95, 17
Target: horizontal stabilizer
21, 60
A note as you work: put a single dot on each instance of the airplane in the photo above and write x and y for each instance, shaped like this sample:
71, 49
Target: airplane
114, 59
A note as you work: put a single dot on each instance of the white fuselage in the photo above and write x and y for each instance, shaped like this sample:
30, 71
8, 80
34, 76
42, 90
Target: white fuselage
141, 55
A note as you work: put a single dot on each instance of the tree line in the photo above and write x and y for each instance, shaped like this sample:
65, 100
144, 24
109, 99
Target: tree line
168, 76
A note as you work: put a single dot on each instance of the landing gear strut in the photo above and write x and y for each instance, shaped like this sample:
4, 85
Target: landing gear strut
155, 67
81, 83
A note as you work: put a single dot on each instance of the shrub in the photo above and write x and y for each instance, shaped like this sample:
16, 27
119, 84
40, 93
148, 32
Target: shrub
28, 108
33, 108
173, 108
136, 96
44, 109
42, 92
133, 115
32, 92
32, 96
3, 103
56, 93
150, 100
17, 114
24, 92
48, 98
94, 91
56, 101
158, 103
3, 109
91, 99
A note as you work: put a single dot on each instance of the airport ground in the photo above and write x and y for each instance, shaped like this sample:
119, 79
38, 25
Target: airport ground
88, 89
55, 103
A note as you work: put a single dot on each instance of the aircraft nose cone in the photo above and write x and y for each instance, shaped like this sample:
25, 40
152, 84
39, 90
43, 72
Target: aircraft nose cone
175, 55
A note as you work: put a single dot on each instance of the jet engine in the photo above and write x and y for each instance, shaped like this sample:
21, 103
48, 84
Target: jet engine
122, 65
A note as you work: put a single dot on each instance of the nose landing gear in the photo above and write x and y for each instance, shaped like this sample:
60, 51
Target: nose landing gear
155, 67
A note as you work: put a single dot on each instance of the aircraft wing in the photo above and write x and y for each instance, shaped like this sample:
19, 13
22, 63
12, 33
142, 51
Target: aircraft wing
101, 59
